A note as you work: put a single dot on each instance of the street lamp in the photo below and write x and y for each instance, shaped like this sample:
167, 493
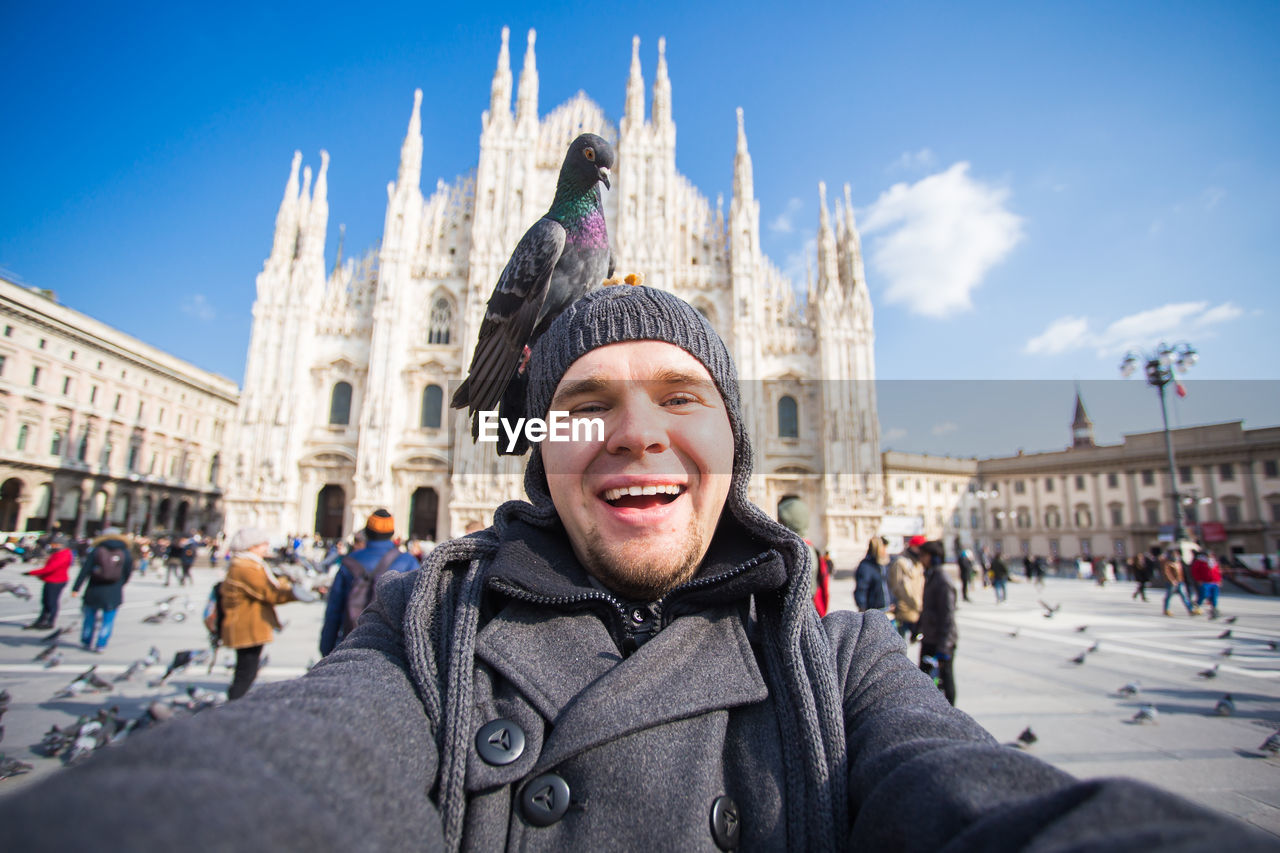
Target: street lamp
1159, 367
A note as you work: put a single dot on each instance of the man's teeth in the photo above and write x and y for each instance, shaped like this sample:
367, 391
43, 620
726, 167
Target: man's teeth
636, 491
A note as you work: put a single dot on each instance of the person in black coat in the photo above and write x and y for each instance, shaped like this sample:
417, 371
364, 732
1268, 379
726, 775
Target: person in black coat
870, 591
102, 598
938, 621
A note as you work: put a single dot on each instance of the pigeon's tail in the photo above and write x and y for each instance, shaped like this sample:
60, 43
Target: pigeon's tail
510, 411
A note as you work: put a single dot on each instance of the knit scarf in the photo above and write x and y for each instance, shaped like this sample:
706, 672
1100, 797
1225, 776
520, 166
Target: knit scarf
442, 618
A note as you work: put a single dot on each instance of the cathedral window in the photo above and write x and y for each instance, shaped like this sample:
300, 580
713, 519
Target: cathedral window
441, 323
214, 465
788, 417
432, 406
340, 404
23, 432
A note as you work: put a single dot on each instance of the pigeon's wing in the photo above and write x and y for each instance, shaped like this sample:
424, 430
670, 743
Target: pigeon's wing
510, 316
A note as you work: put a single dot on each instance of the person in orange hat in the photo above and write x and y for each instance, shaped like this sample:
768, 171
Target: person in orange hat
352, 588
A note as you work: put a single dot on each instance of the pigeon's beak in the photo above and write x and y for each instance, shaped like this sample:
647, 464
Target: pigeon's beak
604, 177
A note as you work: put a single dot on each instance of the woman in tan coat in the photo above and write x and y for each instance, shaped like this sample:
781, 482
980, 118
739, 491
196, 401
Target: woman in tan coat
249, 595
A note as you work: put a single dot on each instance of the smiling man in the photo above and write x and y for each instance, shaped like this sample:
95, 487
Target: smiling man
630, 660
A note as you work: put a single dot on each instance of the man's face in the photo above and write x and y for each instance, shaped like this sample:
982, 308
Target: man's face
667, 435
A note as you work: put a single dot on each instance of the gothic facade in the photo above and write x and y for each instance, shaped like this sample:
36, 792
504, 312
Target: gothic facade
343, 408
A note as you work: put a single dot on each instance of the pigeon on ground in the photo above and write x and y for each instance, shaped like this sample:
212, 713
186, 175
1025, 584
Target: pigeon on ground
1027, 738
1095, 647
12, 766
1049, 611
155, 618
1226, 706
1272, 744
85, 682
1146, 714
1133, 688
1225, 635
1211, 672
181, 660
47, 652
152, 658
1014, 633
134, 668
1079, 659
1231, 620
1080, 629
18, 589
560, 258
1226, 653
53, 660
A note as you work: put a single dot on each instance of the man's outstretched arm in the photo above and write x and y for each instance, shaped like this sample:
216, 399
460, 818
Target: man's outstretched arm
924, 776
343, 759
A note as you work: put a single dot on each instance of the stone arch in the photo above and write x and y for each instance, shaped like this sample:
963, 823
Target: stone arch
331, 505
440, 319
788, 417
340, 404
432, 412
424, 506
10, 497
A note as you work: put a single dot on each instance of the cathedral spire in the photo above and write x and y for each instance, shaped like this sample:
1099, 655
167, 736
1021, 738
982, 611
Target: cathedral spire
304, 202
634, 112
743, 182
828, 265
1081, 426
318, 215
411, 151
662, 87
852, 244
527, 96
286, 235
500, 92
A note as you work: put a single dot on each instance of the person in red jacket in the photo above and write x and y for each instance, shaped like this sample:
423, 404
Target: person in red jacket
1208, 577
54, 573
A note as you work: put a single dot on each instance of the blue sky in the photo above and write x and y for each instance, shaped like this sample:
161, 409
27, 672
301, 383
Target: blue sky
1038, 185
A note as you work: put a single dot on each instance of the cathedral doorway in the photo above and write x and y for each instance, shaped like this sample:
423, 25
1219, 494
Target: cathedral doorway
331, 505
180, 520
9, 494
423, 508
162, 513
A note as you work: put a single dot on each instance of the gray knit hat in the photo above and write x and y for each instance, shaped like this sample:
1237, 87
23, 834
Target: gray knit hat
621, 313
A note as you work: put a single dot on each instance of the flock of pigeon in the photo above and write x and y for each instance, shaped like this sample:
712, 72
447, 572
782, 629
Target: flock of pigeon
1147, 712
106, 727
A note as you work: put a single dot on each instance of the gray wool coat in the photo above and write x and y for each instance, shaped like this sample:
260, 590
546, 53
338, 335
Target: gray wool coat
646, 728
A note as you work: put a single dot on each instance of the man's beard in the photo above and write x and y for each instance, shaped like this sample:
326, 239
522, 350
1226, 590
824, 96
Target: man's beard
644, 575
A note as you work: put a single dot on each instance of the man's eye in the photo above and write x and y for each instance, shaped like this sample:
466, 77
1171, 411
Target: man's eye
587, 409
678, 400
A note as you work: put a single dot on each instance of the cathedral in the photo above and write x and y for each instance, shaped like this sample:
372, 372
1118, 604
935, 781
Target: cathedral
348, 371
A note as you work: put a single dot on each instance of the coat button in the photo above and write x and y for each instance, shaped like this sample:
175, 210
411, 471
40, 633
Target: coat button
545, 799
500, 742
726, 823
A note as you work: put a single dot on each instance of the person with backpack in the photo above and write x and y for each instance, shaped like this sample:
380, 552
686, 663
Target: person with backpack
106, 568
353, 585
248, 597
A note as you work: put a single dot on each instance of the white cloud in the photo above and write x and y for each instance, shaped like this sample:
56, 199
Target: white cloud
1170, 322
198, 306
944, 428
914, 160
893, 434
938, 238
784, 223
